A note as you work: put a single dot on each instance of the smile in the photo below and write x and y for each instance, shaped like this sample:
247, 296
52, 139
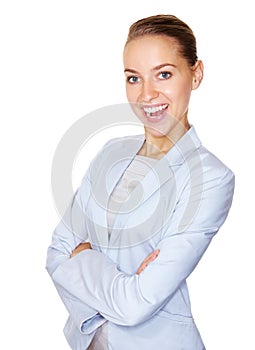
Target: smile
155, 113
155, 109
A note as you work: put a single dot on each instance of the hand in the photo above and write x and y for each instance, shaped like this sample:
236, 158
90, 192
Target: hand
80, 248
151, 257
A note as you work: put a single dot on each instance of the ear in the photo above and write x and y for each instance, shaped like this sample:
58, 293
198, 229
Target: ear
198, 73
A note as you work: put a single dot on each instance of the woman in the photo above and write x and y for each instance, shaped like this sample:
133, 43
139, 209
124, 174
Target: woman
150, 217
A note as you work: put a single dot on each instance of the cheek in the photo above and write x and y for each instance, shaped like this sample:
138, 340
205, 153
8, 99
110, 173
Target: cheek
180, 95
131, 93
186, 95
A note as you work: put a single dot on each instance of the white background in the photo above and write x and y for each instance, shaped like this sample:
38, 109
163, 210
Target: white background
63, 59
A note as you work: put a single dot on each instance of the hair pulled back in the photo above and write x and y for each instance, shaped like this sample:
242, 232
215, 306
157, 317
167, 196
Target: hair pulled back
170, 26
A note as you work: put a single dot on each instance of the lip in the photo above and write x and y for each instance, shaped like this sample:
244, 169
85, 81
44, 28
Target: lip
156, 112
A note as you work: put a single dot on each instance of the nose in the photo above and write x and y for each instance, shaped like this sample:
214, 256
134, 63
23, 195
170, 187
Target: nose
148, 91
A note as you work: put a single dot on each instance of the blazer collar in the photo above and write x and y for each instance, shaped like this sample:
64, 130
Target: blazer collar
177, 155
162, 171
117, 158
187, 144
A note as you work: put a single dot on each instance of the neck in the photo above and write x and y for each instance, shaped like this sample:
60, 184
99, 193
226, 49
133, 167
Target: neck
158, 146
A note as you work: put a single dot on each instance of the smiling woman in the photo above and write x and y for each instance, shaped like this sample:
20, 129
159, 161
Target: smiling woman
120, 264
159, 84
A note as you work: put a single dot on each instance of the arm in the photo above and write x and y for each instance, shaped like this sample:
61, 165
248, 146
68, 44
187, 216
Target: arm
69, 233
94, 279
151, 257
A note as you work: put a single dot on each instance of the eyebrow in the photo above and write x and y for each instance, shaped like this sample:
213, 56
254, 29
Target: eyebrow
154, 69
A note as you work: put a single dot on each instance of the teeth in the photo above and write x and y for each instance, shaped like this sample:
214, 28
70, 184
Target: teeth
149, 110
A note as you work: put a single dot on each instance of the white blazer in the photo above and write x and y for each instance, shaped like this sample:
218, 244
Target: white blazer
178, 207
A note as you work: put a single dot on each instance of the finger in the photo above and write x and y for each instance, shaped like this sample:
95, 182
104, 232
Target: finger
80, 248
152, 256
141, 269
148, 258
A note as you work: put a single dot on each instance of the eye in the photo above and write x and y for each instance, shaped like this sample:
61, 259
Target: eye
164, 75
132, 79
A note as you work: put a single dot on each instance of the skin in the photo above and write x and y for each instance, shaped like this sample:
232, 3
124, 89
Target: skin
158, 75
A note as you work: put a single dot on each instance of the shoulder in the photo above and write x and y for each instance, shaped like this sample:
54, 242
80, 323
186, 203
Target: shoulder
123, 140
208, 190
203, 169
119, 145
213, 167
115, 149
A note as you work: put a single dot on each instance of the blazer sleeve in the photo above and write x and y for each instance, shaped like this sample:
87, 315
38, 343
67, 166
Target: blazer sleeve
93, 279
69, 233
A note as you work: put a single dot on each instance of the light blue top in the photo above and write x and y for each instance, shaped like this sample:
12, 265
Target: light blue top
178, 207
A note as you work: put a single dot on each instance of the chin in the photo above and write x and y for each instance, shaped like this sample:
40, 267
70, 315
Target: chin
155, 132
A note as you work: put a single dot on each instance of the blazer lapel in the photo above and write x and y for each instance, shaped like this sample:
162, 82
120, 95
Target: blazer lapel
163, 171
115, 160
152, 182
120, 158
116, 157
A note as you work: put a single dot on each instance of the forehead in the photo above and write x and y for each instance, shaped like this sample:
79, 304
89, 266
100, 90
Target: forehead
152, 50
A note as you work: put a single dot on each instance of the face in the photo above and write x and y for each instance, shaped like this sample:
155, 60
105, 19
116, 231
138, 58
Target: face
159, 82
